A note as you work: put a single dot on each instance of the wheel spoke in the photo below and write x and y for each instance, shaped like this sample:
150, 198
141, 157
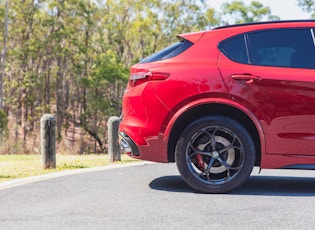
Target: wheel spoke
211, 181
231, 146
213, 142
210, 140
196, 151
227, 166
201, 153
210, 165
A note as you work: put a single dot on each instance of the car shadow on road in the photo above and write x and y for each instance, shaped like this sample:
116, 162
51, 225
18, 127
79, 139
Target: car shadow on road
171, 184
256, 185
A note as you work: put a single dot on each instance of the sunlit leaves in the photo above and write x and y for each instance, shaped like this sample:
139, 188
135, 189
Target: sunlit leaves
71, 57
308, 6
238, 12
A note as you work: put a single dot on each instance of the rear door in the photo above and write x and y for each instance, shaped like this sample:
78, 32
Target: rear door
272, 73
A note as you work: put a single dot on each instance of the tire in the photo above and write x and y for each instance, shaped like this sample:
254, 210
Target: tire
215, 154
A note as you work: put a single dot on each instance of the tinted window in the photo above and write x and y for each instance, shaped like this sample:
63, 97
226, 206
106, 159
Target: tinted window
169, 52
283, 48
235, 49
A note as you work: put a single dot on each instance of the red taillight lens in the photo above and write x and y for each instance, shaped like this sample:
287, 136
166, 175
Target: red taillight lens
137, 78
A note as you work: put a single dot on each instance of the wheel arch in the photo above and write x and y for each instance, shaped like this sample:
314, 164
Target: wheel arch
220, 109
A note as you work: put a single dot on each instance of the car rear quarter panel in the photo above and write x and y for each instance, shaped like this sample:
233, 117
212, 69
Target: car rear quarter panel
194, 75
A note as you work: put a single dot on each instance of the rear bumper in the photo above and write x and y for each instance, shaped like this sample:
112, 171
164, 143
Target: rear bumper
127, 146
155, 150
140, 127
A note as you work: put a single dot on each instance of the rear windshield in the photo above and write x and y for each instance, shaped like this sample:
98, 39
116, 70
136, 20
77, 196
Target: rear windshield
169, 52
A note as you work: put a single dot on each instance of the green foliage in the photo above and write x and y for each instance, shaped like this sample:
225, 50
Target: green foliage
308, 6
106, 69
3, 123
72, 57
101, 88
238, 12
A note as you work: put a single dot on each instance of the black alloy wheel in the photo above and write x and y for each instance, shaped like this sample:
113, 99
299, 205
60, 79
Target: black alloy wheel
215, 154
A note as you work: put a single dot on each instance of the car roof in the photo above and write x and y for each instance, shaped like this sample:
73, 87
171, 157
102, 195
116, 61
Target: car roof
265, 23
223, 32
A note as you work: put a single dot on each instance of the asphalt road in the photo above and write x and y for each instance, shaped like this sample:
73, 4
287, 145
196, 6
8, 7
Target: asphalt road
153, 196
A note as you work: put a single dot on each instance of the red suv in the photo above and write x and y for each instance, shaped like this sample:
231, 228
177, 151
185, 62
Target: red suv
220, 102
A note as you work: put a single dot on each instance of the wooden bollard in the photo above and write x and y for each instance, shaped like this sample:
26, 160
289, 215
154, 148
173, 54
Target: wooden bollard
48, 141
113, 145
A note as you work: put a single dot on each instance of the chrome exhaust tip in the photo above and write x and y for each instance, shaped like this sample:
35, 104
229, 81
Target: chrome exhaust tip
127, 146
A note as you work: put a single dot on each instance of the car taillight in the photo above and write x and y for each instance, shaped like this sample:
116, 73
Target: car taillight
137, 78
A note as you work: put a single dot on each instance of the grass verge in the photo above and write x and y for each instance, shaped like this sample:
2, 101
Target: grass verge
19, 166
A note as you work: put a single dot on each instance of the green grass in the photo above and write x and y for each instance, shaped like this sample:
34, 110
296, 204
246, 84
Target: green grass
19, 166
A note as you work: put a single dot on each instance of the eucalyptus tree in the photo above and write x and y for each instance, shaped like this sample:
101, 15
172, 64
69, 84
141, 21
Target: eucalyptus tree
23, 76
308, 6
71, 58
238, 12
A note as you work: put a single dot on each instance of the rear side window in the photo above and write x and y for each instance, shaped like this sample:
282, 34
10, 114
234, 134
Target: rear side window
282, 48
293, 48
169, 52
235, 49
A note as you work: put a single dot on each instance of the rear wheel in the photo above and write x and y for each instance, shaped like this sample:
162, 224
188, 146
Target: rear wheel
215, 154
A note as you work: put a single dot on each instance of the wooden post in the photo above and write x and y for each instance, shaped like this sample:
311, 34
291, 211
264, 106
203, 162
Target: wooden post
48, 141
113, 145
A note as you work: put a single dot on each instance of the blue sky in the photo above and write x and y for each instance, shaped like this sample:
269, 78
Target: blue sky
285, 9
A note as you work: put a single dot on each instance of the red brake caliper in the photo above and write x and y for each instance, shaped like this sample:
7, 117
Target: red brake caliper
200, 162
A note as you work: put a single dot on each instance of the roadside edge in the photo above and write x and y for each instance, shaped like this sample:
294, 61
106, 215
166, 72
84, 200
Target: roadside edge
27, 180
